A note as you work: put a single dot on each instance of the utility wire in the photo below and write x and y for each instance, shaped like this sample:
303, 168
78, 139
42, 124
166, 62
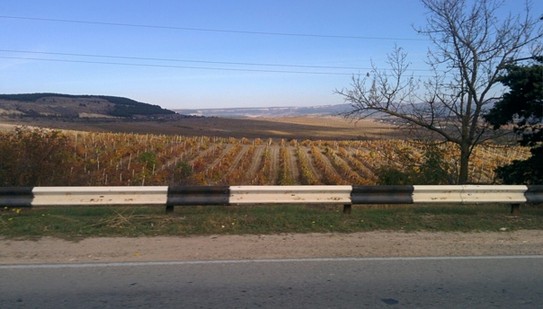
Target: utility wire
196, 61
176, 66
183, 67
287, 34
185, 60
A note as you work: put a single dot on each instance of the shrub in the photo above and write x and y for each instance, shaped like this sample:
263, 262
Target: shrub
36, 157
432, 171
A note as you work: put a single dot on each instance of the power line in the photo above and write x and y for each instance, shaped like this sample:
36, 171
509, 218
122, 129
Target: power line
248, 32
184, 67
185, 60
176, 66
195, 61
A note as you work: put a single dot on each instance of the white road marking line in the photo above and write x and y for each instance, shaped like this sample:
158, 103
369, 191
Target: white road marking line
295, 260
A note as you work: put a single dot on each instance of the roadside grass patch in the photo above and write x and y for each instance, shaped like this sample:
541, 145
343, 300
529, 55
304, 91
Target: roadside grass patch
75, 223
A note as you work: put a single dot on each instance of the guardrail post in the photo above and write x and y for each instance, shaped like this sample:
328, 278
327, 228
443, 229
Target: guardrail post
347, 209
515, 209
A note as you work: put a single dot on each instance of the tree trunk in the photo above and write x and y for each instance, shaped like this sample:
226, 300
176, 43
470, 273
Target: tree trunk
463, 174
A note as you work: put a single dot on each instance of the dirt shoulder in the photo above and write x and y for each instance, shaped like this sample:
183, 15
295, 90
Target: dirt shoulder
226, 247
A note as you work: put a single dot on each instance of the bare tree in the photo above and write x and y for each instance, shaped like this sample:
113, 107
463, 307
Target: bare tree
471, 48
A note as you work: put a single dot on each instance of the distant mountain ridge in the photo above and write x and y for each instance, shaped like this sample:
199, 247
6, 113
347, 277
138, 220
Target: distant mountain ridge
76, 106
323, 110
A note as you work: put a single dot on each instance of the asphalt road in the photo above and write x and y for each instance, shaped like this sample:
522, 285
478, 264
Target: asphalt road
464, 282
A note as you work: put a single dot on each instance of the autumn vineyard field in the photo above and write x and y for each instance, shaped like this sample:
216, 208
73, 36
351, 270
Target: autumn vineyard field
111, 159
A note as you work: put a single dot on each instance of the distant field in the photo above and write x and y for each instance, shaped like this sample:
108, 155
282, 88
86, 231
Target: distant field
286, 127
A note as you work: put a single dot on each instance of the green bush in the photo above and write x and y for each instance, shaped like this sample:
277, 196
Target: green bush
181, 174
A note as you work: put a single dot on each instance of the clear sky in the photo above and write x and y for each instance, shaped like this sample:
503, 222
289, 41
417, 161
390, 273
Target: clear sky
206, 53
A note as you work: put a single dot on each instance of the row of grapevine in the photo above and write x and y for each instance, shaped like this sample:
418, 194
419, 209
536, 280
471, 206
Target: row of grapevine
329, 175
308, 175
343, 168
285, 166
237, 176
131, 159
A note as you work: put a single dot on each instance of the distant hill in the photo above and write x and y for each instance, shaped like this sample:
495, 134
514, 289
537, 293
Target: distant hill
294, 111
319, 110
54, 105
324, 110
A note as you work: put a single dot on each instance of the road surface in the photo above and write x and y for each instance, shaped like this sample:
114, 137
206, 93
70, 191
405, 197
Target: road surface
440, 282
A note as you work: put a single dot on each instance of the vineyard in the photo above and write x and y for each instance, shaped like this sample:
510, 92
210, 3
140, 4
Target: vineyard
115, 159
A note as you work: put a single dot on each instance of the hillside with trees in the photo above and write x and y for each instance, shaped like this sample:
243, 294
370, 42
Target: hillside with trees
52, 105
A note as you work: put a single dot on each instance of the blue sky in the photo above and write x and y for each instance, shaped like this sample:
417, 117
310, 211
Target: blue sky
205, 54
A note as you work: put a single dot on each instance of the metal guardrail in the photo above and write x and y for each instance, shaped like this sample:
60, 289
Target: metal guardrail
170, 196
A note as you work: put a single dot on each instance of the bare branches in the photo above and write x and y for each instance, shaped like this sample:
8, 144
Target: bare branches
381, 91
471, 48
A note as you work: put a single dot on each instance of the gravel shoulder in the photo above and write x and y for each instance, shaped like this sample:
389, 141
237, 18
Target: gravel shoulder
227, 247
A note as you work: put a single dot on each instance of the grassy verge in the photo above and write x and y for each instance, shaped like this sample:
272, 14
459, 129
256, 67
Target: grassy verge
81, 222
